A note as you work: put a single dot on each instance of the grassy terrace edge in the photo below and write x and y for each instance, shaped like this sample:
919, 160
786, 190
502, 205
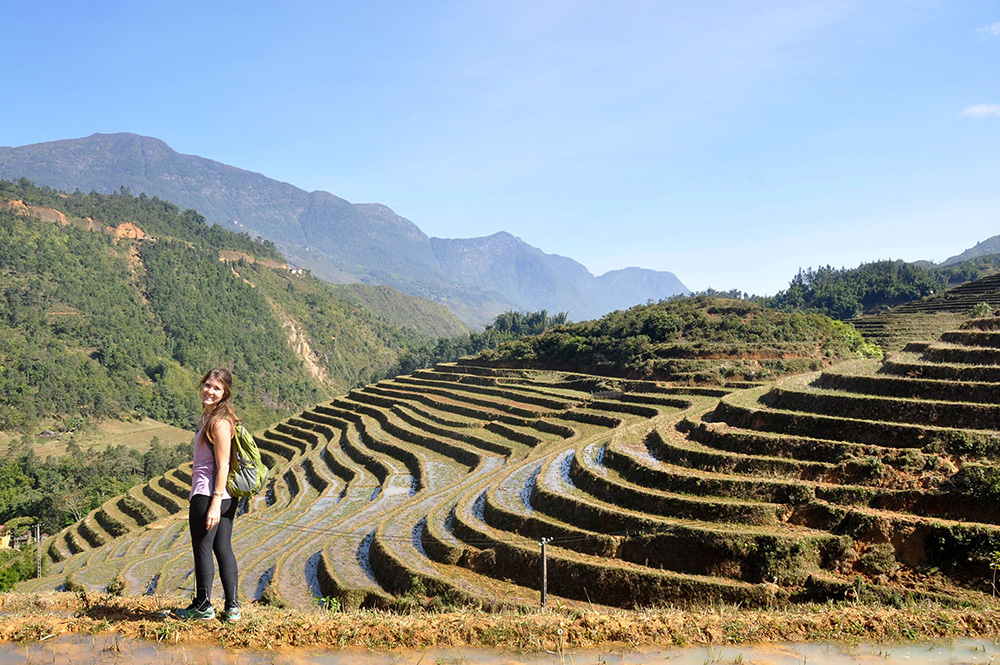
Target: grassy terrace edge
30, 617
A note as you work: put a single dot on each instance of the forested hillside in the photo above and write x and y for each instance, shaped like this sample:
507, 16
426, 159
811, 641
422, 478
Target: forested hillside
698, 339
112, 306
872, 287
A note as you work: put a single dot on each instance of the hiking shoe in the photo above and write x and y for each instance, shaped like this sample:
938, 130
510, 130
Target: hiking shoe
203, 612
232, 614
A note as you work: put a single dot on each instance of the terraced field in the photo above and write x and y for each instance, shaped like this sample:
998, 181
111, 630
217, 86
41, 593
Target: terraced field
929, 317
893, 330
863, 482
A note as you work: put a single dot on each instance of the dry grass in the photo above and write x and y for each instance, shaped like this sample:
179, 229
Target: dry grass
34, 617
137, 434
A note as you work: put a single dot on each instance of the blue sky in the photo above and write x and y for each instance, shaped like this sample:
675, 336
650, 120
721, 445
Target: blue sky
728, 142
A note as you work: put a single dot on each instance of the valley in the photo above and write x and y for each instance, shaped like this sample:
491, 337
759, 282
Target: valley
673, 457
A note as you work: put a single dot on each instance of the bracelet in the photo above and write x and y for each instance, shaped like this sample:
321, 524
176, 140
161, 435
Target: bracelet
217, 493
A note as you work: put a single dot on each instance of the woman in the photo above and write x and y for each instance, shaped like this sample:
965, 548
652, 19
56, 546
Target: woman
212, 509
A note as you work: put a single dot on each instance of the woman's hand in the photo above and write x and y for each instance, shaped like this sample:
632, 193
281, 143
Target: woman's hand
214, 513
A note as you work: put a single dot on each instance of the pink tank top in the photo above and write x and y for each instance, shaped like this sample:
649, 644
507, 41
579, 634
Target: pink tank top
203, 473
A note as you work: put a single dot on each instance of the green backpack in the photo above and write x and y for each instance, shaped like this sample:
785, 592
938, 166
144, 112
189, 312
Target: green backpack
247, 472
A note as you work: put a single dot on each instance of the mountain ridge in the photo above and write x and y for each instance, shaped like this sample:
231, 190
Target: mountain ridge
982, 248
339, 241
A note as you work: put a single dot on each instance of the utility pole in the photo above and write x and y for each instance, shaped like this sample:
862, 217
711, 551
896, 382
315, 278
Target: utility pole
545, 573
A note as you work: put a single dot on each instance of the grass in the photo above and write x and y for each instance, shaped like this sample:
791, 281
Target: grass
30, 618
135, 434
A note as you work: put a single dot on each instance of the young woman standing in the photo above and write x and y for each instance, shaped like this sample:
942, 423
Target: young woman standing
212, 509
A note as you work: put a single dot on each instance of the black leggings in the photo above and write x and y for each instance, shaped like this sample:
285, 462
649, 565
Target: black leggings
219, 539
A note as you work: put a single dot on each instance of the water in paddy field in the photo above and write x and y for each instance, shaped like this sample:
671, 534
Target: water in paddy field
113, 650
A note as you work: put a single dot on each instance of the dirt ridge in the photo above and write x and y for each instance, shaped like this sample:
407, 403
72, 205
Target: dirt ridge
37, 617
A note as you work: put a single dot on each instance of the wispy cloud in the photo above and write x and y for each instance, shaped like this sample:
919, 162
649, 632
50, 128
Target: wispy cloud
991, 30
982, 111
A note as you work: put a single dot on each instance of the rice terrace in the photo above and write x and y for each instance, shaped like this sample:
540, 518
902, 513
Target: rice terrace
781, 489
590, 333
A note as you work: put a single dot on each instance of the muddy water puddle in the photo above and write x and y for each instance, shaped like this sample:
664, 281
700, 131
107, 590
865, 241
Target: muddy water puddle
115, 650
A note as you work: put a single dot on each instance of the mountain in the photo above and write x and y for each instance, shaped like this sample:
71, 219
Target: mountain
620, 285
339, 241
982, 248
112, 306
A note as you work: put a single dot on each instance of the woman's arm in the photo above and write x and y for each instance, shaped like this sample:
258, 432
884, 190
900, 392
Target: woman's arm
222, 432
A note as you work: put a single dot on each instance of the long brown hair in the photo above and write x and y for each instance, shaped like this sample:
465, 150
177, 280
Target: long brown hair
223, 408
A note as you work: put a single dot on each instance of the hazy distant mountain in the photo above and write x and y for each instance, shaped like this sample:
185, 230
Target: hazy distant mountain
510, 267
982, 248
340, 241
528, 277
620, 285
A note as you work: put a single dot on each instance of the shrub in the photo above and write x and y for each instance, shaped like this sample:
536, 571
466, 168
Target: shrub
118, 586
981, 309
779, 561
877, 560
16, 565
329, 603
910, 460
966, 444
855, 342
801, 494
867, 468
976, 481
662, 326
